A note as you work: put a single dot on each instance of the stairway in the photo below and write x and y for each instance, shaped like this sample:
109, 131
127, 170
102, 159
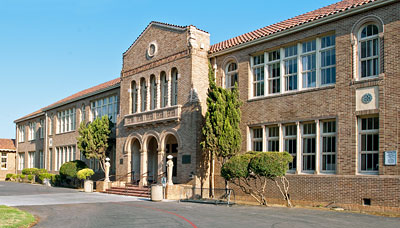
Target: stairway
130, 190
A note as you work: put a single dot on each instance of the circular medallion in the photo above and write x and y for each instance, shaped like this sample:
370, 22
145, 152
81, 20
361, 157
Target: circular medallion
366, 98
152, 49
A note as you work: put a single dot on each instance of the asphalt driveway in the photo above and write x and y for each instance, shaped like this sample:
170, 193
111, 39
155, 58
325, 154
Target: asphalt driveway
59, 207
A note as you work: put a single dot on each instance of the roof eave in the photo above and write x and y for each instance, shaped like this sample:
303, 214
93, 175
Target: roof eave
304, 26
29, 117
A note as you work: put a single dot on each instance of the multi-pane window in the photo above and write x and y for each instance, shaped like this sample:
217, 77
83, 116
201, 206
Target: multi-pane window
51, 159
290, 70
134, 97
50, 121
274, 72
305, 65
290, 139
369, 147
41, 159
257, 139
309, 146
174, 87
21, 133
328, 135
21, 161
32, 131
143, 95
273, 138
369, 51
66, 120
41, 129
31, 160
105, 106
308, 61
64, 154
153, 92
328, 60
258, 75
231, 75
3, 160
164, 89
83, 113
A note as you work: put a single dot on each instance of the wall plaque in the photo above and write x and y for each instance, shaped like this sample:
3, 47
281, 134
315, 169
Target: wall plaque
391, 157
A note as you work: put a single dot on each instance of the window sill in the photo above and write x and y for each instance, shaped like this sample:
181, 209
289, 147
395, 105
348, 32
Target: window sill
292, 93
376, 173
368, 79
65, 132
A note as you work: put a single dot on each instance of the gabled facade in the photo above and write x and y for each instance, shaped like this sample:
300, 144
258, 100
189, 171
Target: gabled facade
7, 157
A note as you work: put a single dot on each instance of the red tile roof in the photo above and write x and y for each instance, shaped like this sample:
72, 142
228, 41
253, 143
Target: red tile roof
7, 145
74, 96
289, 23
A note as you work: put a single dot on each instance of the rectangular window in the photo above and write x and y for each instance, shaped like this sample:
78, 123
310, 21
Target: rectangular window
273, 138
3, 160
257, 139
328, 135
290, 139
51, 159
274, 72
41, 129
21, 161
66, 121
308, 60
21, 133
41, 159
50, 125
258, 75
105, 106
290, 70
32, 129
369, 57
31, 160
309, 146
369, 147
328, 60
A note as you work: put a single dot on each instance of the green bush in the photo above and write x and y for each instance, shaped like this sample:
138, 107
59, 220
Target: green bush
30, 177
84, 173
41, 171
9, 176
69, 169
270, 164
22, 176
43, 176
56, 179
14, 177
30, 171
237, 166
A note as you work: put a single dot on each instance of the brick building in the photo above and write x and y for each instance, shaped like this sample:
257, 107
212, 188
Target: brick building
322, 86
7, 157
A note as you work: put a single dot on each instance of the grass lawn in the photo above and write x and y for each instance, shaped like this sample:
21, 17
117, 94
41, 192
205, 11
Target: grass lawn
14, 218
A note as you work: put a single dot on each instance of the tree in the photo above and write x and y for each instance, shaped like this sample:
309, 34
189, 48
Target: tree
94, 139
222, 137
252, 170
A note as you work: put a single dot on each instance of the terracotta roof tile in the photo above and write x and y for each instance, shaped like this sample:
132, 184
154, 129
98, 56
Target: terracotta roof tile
289, 23
74, 96
7, 144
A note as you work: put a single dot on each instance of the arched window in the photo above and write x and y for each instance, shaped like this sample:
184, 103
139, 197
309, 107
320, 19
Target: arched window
164, 89
143, 94
134, 95
174, 87
153, 92
231, 75
368, 59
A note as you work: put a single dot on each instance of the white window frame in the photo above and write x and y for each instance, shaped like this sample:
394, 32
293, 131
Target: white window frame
258, 91
21, 161
41, 159
3, 160
31, 159
321, 50
256, 140
360, 59
66, 121
269, 65
291, 137
105, 106
360, 152
328, 135
306, 136
231, 73
41, 129
287, 75
164, 89
271, 139
21, 133
304, 72
174, 86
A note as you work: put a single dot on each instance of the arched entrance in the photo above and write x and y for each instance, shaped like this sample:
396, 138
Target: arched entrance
152, 160
135, 160
171, 148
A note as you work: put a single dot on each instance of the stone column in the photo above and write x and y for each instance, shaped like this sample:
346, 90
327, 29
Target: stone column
143, 168
161, 164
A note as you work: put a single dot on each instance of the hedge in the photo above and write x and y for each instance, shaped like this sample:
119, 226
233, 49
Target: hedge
69, 169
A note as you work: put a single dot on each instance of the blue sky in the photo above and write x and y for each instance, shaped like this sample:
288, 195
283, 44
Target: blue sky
50, 49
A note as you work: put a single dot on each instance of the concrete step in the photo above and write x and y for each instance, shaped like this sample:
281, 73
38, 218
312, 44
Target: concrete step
144, 195
130, 190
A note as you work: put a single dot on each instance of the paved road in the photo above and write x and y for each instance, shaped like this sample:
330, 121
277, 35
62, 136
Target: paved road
89, 210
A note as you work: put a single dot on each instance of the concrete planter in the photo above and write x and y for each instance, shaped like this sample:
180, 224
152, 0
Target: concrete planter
156, 192
88, 186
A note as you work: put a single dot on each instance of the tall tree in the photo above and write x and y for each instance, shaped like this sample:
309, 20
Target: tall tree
222, 137
94, 139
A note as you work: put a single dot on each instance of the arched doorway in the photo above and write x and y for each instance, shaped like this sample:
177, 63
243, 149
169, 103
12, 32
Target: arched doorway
171, 148
152, 160
135, 161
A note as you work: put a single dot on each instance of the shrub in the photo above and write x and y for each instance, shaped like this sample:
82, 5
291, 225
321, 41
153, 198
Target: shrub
43, 176
40, 171
30, 177
22, 176
56, 179
85, 173
69, 169
270, 164
14, 177
9, 176
237, 167
30, 171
